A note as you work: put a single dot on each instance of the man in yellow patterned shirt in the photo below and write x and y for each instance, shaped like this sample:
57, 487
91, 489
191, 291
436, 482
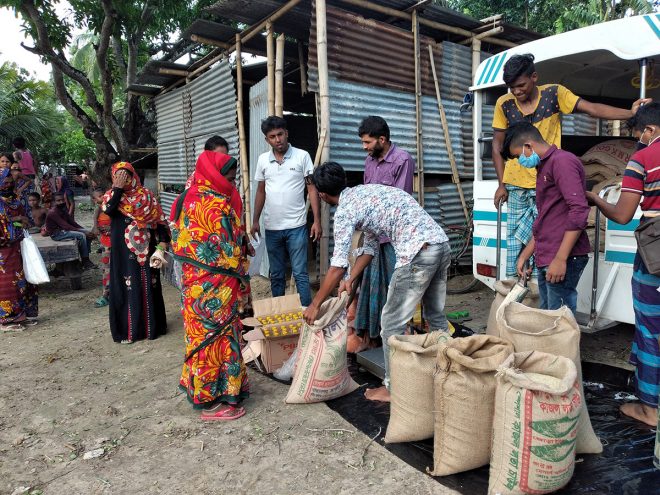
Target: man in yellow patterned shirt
542, 106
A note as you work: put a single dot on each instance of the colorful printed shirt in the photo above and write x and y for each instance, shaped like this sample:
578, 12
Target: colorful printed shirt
554, 99
379, 210
642, 176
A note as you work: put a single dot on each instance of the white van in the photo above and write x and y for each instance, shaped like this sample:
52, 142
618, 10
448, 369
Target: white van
603, 63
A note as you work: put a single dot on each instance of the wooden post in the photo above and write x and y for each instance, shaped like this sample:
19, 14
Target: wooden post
324, 114
270, 65
243, 155
279, 77
476, 56
303, 69
445, 129
418, 110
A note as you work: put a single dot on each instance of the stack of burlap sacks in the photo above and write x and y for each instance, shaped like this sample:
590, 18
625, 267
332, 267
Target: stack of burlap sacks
604, 165
512, 398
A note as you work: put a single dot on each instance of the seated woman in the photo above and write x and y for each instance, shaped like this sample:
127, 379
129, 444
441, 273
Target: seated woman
138, 228
208, 239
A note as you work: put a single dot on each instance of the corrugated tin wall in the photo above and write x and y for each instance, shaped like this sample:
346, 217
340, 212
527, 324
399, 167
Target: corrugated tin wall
351, 102
187, 117
372, 53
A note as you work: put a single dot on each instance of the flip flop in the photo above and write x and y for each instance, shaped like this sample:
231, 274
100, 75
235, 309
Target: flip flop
224, 414
12, 327
100, 302
30, 322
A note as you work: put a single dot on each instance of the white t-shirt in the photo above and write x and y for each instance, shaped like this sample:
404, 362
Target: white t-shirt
285, 188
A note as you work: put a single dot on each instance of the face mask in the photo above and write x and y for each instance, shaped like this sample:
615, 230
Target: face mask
530, 161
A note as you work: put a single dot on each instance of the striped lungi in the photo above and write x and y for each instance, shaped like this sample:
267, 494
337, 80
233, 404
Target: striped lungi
645, 355
520, 215
373, 291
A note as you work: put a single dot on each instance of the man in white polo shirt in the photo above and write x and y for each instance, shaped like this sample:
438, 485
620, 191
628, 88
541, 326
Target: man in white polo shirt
283, 173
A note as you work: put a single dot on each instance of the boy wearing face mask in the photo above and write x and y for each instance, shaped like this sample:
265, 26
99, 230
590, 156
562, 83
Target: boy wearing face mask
542, 106
559, 242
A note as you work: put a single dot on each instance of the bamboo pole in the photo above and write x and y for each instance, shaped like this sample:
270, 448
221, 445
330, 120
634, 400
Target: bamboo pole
324, 113
245, 172
173, 72
418, 109
246, 34
279, 76
270, 66
425, 22
445, 129
303, 69
208, 41
476, 56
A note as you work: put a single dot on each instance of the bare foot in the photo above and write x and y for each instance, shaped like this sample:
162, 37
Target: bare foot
379, 394
640, 412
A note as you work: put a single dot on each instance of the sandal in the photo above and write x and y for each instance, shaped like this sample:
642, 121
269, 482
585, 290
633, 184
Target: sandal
227, 413
12, 327
126, 342
101, 302
30, 322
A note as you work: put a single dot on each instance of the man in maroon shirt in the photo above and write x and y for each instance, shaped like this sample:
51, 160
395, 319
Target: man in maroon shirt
560, 243
60, 227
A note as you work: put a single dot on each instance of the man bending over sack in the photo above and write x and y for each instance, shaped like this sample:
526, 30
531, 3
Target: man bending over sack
559, 243
421, 246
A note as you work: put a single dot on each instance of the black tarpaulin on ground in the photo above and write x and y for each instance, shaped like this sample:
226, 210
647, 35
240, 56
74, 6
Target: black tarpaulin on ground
624, 468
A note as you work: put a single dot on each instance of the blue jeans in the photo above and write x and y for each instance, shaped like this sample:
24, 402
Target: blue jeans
423, 279
554, 296
293, 242
84, 244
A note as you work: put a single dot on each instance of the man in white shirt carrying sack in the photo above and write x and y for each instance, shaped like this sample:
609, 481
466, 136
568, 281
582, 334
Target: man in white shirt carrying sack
282, 174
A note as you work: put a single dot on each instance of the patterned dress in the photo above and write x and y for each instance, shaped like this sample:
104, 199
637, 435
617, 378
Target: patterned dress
18, 299
137, 309
207, 239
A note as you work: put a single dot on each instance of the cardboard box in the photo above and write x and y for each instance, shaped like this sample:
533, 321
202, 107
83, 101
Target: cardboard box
277, 324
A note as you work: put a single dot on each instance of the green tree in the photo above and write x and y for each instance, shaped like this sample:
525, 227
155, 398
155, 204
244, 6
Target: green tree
582, 14
27, 108
122, 36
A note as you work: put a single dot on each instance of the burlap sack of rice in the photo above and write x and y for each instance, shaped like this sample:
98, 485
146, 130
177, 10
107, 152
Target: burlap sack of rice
502, 288
321, 368
614, 154
412, 364
555, 332
464, 390
537, 409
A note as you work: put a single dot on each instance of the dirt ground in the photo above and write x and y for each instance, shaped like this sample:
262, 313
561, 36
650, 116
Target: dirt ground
68, 391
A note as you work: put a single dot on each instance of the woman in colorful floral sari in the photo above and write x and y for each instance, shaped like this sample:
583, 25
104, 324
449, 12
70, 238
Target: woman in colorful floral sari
138, 229
208, 238
18, 299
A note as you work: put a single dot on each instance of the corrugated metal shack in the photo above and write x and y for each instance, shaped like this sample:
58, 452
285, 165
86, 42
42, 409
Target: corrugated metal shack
375, 61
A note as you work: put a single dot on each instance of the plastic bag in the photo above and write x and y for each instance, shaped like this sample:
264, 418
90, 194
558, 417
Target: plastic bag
255, 261
33, 264
285, 373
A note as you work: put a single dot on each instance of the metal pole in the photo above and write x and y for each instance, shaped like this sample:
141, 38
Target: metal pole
498, 248
642, 77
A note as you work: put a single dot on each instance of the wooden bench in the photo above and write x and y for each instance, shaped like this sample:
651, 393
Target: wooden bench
64, 255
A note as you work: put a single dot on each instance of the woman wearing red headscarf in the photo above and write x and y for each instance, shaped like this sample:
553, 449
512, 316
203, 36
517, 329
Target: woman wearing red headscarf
208, 238
138, 229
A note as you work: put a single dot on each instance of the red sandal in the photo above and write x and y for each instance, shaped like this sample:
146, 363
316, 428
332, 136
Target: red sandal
227, 413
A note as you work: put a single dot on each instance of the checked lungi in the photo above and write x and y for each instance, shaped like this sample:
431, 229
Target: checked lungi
520, 216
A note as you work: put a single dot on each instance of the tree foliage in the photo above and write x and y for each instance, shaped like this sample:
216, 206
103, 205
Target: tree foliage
27, 108
91, 74
552, 16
